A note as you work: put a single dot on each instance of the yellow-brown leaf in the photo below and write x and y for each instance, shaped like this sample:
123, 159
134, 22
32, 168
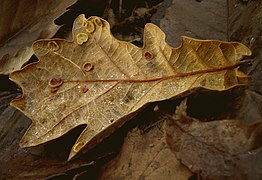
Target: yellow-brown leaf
100, 81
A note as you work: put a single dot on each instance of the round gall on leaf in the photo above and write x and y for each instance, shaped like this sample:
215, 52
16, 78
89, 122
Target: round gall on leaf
87, 67
148, 55
53, 46
90, 27
55, 82
81, 38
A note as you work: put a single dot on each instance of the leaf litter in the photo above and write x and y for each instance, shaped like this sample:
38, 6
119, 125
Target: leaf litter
18, 30
154, 160
227, 149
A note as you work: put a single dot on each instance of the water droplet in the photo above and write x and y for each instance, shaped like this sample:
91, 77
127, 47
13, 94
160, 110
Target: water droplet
42, 121
87, 66
156, 108
81, 38
111, 98
103, 128
252, 40
53, 46
129, 97
48, 136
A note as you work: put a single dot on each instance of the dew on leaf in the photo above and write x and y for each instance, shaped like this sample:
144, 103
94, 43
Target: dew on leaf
81, 38
128, 97
111, 98
43, 121
151, 145
87, 66
53, 46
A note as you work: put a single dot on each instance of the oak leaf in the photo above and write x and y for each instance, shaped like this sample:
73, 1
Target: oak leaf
144, 156
102, 82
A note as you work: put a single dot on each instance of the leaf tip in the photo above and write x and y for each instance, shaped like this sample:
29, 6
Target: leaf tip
25, 142
18, 103
245, 50
75, 149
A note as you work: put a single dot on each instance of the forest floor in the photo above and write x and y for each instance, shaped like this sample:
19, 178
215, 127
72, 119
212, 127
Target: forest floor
139, 149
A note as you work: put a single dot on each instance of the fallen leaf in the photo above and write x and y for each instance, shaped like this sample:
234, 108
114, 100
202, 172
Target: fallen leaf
198, 19
216, 149
102, 82
21, 23
250, 111
145, 156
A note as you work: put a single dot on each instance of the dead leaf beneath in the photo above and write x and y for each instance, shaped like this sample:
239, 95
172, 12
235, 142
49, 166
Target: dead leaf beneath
198, 19
216, 149
145, 156
21, 23
250, 111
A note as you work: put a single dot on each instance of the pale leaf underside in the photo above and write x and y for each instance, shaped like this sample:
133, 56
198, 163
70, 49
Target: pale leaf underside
98, 80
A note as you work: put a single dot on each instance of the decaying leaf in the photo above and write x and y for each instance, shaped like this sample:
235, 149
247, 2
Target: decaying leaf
250, 111
217, 149
145, 156
101, 82
21, 23
199, 19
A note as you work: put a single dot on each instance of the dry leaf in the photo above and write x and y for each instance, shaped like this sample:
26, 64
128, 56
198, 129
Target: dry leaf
101, 82
145, 156
250, 111
216, 149
21, 23
198, 19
